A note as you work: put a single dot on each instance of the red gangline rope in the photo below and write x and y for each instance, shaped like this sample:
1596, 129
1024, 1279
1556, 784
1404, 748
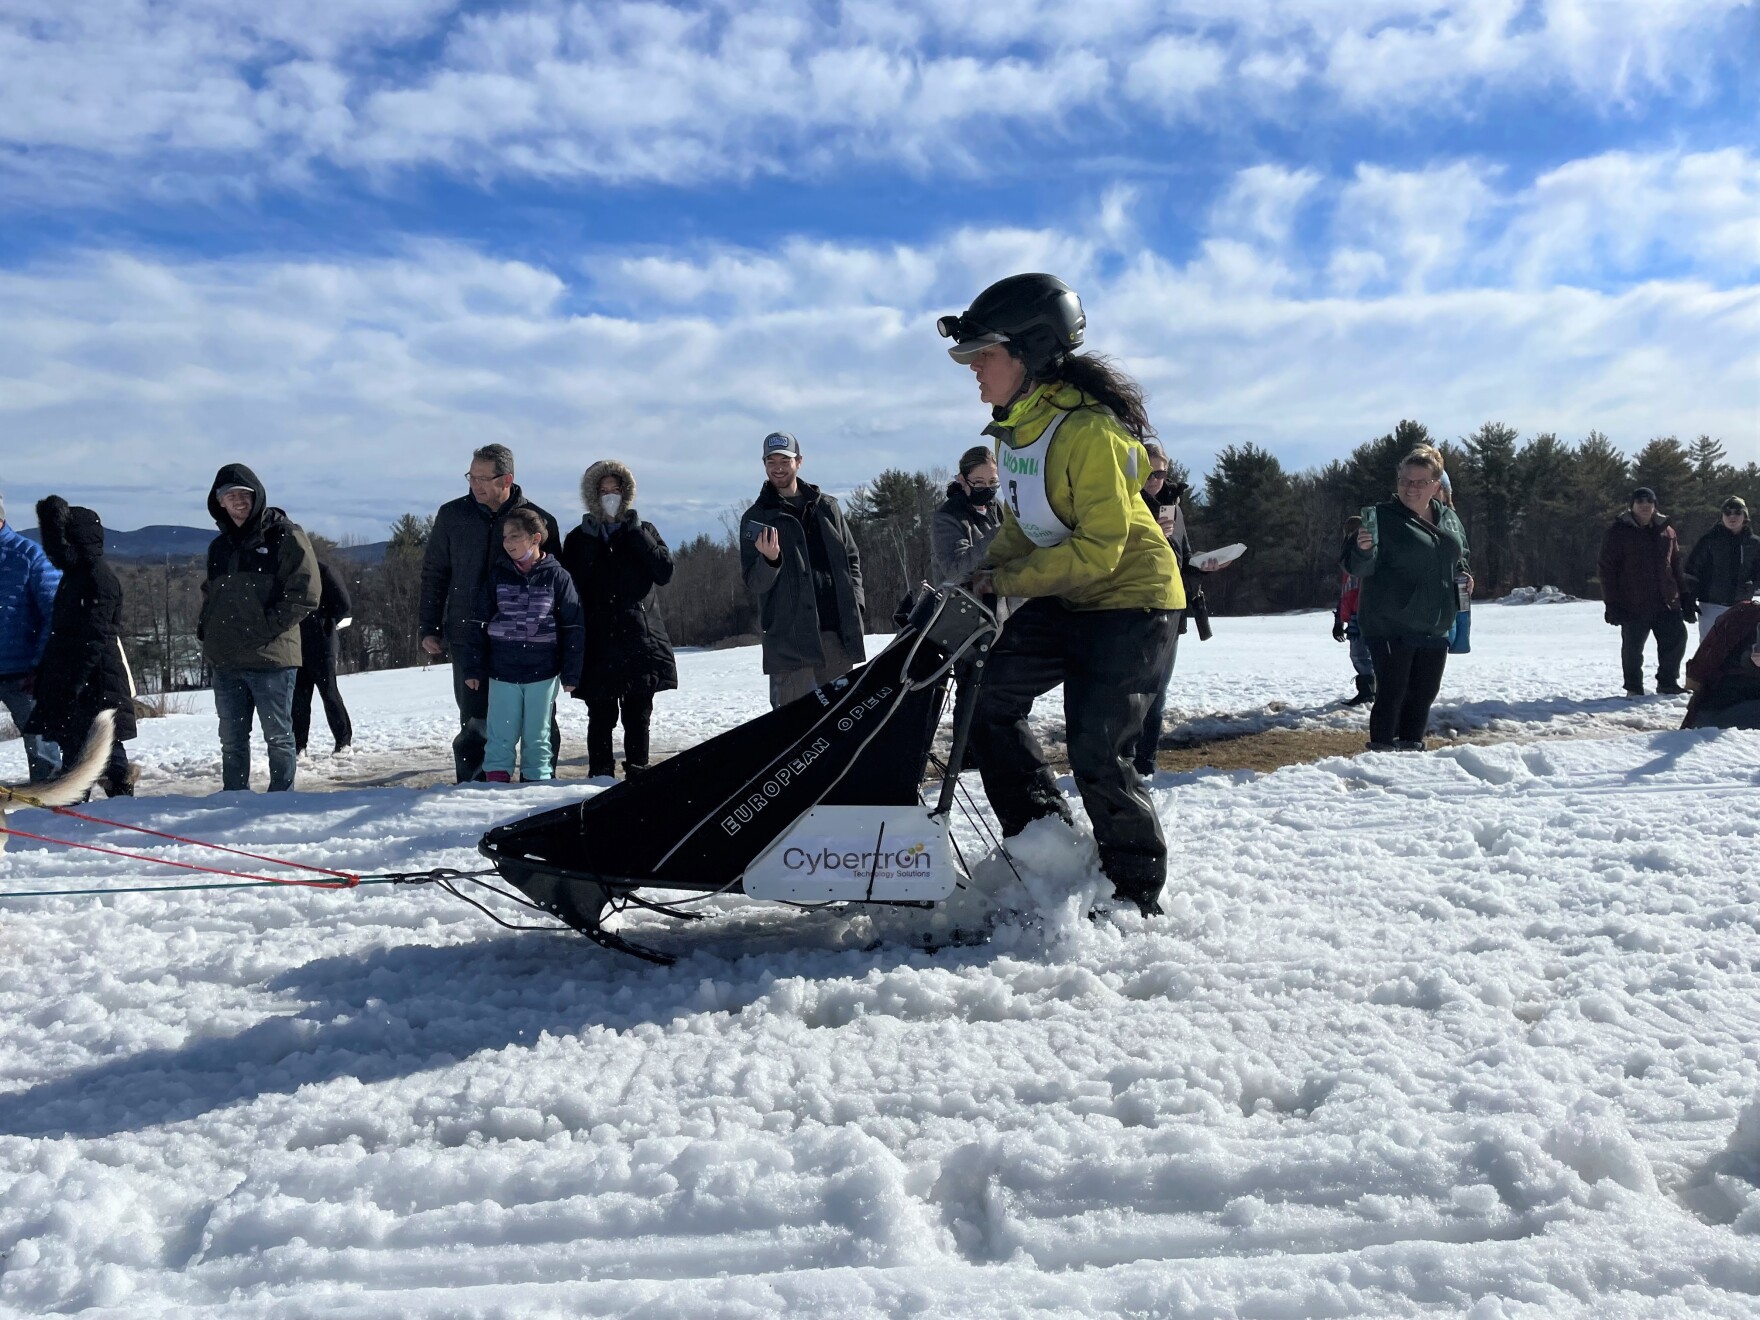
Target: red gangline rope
350, 877
344, 880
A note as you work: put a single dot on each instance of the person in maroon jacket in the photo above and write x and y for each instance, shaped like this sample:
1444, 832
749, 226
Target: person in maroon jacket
1724, 673
1645, 592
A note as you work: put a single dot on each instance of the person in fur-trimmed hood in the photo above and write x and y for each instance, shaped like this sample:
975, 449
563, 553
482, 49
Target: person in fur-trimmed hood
83, 670
616, 561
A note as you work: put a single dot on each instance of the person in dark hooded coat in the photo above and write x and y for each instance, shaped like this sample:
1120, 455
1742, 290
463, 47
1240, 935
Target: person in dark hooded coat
319, 662
83, 670
262, 580
616, 561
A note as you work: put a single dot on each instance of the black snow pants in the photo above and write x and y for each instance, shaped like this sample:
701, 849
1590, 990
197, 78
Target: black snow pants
1110, 663
1670, 631
637, 709
318, 674
1407, 679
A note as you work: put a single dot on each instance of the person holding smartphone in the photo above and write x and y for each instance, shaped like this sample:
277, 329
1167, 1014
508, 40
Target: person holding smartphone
798, 557
1410, 554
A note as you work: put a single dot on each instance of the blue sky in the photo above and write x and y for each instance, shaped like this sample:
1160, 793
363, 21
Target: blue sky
346, 243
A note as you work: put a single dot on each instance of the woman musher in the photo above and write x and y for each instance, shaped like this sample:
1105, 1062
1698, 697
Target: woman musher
1101, 585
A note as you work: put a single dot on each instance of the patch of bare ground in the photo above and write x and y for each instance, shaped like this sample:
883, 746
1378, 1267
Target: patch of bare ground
1263, 752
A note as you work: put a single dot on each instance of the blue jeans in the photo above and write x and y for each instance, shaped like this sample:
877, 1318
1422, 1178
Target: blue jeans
42, 756
268, 692
520, 714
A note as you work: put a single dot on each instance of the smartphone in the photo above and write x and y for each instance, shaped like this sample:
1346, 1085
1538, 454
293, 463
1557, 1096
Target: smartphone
754, 528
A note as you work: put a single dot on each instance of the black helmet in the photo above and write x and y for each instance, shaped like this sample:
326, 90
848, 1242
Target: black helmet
1037, 316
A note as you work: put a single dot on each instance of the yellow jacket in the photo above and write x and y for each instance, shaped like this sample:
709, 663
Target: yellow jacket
1118, 557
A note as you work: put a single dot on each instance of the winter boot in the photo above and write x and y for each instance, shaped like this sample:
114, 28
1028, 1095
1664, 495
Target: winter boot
123, 787
498, 777
631, 771
1373, 746
1136, 877
1408, 744
1365, 690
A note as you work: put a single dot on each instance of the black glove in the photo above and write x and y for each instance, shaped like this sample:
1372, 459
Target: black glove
1689, 609
1615, 616
1337, 629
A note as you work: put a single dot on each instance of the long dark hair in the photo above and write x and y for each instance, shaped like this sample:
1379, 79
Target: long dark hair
1095, 375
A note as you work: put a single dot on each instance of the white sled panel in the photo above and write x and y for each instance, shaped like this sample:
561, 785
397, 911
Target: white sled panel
857, 855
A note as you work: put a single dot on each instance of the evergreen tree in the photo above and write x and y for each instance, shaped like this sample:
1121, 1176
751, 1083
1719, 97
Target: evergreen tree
1248, 497
1549, 527
1488, 502
1663, 465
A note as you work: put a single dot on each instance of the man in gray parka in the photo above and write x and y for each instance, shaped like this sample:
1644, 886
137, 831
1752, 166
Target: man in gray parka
799, 558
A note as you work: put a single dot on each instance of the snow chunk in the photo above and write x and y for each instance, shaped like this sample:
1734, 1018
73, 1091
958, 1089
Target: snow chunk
1597, 1147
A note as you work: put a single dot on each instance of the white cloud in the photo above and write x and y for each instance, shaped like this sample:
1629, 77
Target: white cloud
355, 387
626, 90
1614, 214
1262, 203
1423, 224
1175, 73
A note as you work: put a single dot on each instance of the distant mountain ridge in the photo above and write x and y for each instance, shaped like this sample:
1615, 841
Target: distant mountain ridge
158, 542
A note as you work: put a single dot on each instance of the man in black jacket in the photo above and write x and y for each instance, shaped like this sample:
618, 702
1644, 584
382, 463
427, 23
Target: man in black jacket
1724, 568
317, 669
799, 559
455, 565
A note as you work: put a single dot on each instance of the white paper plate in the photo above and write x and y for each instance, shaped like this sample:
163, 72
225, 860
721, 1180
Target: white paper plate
1209, 559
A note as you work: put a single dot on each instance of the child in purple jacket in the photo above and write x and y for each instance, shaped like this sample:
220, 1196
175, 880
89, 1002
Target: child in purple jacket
534, 643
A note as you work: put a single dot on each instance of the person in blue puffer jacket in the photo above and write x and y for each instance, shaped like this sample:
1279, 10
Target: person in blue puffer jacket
27, 600
532, 642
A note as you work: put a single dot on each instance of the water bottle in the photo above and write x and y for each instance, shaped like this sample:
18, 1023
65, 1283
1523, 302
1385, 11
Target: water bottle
1460, 637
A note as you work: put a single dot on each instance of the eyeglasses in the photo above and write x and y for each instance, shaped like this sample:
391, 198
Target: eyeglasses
1423, 484
475, 480
1157, 474
985, 485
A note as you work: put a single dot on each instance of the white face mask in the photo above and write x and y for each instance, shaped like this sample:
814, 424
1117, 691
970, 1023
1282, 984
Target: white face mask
609, 504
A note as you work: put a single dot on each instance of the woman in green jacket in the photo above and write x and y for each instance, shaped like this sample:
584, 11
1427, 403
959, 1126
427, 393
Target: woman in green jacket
1101, 584
1411, 554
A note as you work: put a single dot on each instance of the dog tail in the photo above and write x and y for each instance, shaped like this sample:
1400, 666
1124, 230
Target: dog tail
73, 785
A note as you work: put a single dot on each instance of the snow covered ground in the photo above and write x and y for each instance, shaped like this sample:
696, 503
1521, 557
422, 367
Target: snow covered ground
1475, 1032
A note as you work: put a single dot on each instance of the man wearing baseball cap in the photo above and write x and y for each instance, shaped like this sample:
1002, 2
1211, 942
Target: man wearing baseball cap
262, 580
799, 559
1724, 568
1645, 593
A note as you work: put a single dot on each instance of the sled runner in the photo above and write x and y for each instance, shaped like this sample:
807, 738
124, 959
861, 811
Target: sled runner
815, 802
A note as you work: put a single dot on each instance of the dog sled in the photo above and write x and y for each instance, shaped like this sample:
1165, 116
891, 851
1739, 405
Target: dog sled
817, 802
